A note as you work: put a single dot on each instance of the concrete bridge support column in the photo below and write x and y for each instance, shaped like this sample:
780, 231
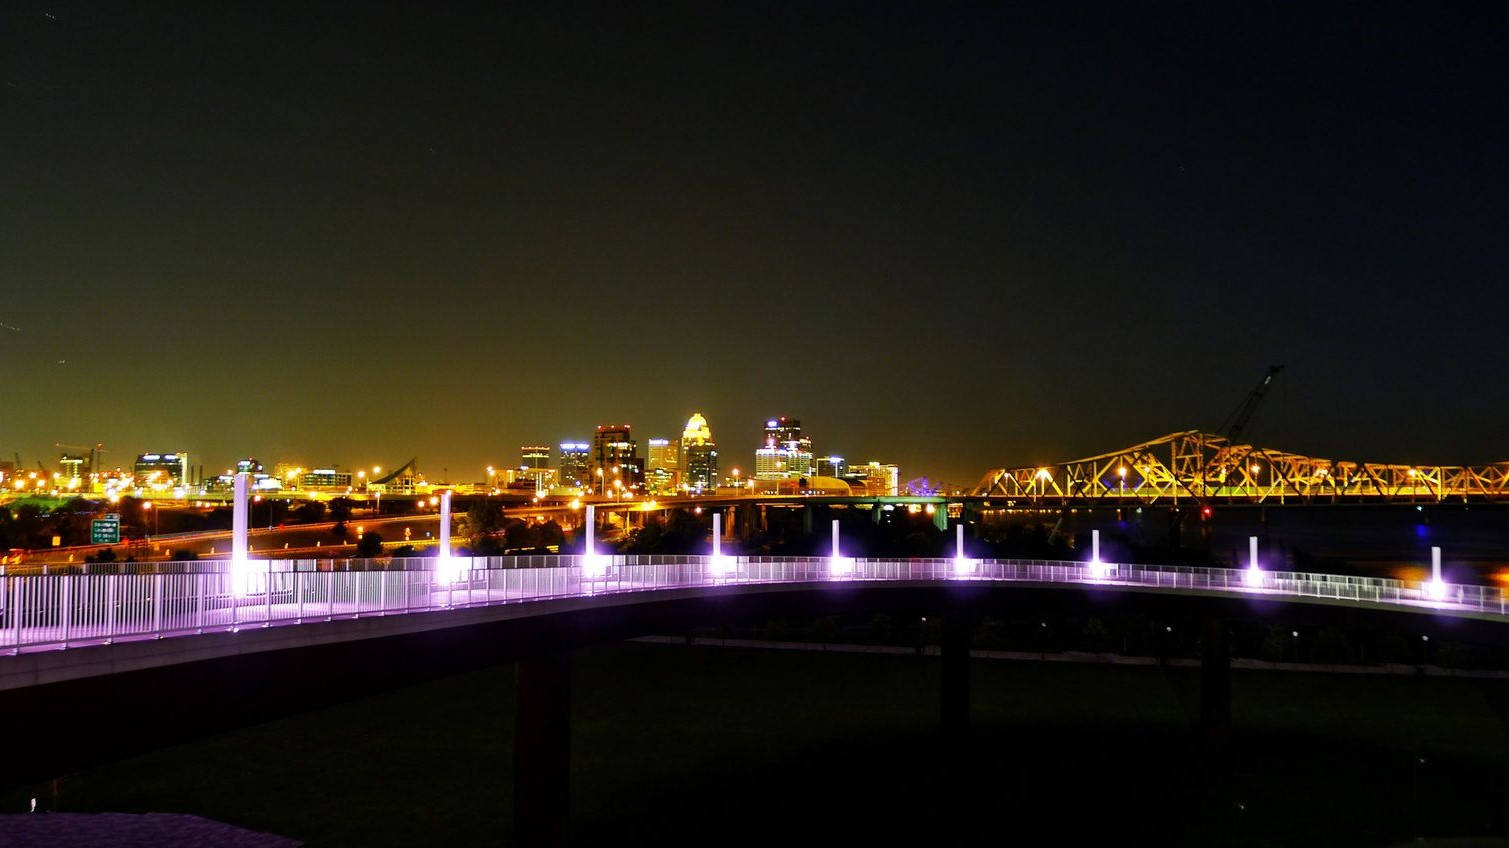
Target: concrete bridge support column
542, 749
807, 510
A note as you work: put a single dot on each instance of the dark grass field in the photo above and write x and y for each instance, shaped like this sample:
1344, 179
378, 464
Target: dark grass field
681, 745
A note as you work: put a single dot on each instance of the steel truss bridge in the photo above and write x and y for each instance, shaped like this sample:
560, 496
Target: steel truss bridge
1194, 467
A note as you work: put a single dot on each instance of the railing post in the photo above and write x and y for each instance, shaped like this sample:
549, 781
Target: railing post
330, 593
267, 602
110, 582
157, 605
67, 600
298, 594
20, 609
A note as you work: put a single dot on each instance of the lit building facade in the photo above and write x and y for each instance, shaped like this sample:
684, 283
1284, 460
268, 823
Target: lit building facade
534, 456
874, 478
828, 466
74, 467
699, 454
161, 470
325, 479
615, 454
786, 453
702, 467
575, 464
663, 454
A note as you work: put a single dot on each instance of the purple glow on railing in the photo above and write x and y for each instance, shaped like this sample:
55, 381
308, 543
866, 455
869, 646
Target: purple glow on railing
719, 565
1435, 589
595, 566
1098, 570
447, 568
840, 566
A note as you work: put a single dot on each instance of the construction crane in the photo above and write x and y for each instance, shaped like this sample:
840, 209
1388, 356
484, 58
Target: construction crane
1240, 417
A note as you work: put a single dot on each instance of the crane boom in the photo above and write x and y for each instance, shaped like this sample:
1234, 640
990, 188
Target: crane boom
1239, 418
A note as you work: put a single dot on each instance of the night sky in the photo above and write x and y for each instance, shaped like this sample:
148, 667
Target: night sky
944, 237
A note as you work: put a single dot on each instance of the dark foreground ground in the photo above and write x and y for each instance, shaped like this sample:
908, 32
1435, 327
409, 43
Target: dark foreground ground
680, 745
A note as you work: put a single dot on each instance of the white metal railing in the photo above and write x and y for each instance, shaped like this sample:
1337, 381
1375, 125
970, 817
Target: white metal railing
158, 600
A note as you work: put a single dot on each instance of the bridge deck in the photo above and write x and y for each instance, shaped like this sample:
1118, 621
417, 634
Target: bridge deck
51, 612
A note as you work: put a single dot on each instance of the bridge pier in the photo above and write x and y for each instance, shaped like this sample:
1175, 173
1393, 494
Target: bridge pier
542, 749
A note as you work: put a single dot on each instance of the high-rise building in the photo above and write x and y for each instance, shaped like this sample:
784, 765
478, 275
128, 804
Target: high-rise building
162, 470
828, 466
575, 459
663, 454
786, 453
787, 433
699, 455
615, 453
534, 456
702, 466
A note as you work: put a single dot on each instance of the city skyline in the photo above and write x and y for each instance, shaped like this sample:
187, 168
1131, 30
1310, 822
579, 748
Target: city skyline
516, 456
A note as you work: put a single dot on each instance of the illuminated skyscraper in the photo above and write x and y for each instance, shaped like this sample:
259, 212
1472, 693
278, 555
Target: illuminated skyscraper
787, 433
700, 454
663, 454
575, 459
616, 454
785, 453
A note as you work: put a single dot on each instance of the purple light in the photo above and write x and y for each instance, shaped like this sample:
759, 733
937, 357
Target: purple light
1435, 589
840, 566
964, 566
595, 566
447, 569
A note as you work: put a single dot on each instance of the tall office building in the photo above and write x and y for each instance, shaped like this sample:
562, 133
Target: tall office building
787, 433
702, 467
534, 456
616, 454
663, 454
699, 454
575, 459
785, 453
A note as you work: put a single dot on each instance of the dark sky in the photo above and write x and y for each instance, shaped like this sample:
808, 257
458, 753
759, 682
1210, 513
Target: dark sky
943, 236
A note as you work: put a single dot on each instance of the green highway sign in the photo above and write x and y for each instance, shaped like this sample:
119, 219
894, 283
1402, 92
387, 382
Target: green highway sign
105, 531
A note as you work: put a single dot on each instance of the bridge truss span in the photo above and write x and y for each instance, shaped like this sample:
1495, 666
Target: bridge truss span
1198, 467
